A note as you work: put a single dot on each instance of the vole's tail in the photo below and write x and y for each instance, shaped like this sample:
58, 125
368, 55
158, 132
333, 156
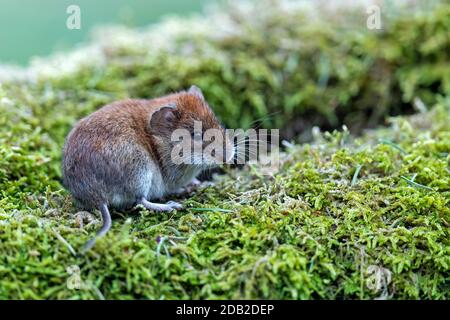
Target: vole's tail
106, 218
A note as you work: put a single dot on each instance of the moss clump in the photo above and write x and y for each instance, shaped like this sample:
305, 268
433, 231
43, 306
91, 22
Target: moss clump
343, 217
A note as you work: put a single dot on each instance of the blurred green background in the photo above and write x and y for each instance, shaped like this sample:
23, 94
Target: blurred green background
37, 28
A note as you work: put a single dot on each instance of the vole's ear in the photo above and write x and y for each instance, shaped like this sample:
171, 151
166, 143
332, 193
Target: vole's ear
163, 119
197, 92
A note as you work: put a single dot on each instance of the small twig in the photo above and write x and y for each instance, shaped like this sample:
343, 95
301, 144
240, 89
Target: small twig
98, 292
158, 248
415, 184
419, 105
355, 176
392, 144
167, 251
177, 238
287, 144
211, 209
64, 241
174, 230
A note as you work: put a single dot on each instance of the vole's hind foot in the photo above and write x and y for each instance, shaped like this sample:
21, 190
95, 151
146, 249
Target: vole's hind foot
161, 207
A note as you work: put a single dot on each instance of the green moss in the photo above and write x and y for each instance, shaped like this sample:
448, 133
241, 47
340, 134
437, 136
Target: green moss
304, 232
343, 217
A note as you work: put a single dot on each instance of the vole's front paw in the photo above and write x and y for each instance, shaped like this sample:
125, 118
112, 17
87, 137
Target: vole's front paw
193, 185
189, 188
175, 205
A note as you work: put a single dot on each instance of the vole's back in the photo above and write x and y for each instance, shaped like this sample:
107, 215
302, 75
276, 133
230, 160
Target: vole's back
108, 156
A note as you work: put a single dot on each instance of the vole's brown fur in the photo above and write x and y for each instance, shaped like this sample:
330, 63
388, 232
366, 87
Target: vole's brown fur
119, 156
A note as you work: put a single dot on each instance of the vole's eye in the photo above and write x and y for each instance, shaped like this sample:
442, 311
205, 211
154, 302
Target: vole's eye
197, 136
